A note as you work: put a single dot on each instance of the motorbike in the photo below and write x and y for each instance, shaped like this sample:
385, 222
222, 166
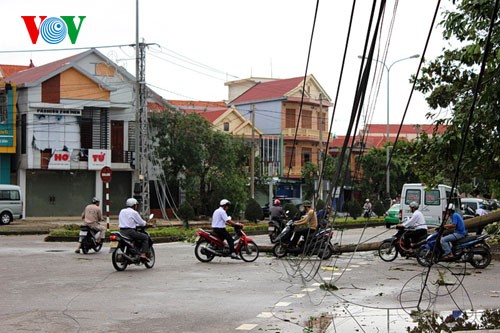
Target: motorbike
88, 239
275, 227
391, 247
209, 245
124, 251
472, 249
319, 243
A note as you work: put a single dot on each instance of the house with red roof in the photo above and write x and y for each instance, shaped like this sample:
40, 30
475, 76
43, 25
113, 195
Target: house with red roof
293, 114
222, 117
77, 115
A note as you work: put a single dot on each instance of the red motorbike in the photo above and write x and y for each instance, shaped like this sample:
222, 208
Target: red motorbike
208, 246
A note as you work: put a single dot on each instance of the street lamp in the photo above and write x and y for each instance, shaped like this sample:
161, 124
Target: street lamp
388, 69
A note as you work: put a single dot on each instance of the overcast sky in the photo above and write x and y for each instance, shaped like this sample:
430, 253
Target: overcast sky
200, 44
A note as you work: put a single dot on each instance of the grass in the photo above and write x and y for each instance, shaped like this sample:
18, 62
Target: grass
180, 233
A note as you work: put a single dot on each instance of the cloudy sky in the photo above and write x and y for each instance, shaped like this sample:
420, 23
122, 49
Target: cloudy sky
197, 45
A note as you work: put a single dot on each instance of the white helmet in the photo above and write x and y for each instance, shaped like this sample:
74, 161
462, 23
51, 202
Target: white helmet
451, 206
414, 204
131, 202
224, 202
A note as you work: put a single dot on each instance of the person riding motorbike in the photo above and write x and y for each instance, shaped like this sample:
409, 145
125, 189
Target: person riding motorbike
128, 220
457, 226
219, 221
91, 216
310, 219
367, 208
417, 224
276, 211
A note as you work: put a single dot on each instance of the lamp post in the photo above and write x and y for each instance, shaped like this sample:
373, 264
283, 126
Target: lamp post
388, 69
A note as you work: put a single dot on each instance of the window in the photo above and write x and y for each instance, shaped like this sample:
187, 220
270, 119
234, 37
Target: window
432, 198
4, 107
226, 127
290, 118
9, 195
306, 119
412, 195
306, 155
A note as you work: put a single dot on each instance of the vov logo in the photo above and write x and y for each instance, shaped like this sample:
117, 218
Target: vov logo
53, 29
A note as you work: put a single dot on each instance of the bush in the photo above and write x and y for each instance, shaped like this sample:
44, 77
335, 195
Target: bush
253, 211
354, 209
186, 213
378, 208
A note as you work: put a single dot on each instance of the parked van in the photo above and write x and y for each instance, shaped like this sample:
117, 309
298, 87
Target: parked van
432, 202
475, 203
11, 204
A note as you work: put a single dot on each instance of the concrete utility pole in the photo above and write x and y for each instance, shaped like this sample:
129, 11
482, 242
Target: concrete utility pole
142, 144
252, 155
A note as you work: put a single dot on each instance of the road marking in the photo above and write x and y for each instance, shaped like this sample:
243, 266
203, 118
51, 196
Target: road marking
308, 289
282, 304
299, 295
265, 315
316, 284
246, 327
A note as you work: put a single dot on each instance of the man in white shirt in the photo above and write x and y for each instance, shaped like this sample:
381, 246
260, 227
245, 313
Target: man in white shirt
417, 225
128, 220
219, 221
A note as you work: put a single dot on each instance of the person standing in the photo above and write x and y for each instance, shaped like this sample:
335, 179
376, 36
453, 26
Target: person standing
457, 226
219, 221
91, 216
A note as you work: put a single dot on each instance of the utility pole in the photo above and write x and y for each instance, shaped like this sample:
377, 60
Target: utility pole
320, 155
252, 155
142, 144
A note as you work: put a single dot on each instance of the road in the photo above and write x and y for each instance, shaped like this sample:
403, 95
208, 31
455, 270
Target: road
46, 287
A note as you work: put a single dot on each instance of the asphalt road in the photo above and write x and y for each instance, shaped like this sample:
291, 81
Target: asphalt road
45, 287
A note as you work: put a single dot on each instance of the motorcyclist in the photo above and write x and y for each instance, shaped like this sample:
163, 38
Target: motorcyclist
219, 221
417, 224
457, 226
91, 216
310, 219
276, 211
367, 208
128, 220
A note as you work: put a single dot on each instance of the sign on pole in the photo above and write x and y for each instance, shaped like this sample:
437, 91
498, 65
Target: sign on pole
106, 178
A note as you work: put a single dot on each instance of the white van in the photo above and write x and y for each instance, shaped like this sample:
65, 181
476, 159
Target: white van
11, 204
432, 202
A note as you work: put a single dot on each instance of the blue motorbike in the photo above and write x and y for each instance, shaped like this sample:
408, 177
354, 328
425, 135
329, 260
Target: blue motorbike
471, 249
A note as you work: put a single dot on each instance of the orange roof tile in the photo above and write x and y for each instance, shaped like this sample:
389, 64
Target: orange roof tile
6, 70
35, 73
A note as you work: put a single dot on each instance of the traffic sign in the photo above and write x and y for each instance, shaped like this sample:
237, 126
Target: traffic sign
106, 174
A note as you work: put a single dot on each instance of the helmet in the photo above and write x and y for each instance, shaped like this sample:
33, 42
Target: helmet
367, 200
224, 202
277, 202
306, 203
95, 200
414, 205
131, 202
451, 206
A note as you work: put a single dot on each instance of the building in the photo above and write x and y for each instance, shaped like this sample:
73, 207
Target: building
223, 118
77, 115
293, 116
